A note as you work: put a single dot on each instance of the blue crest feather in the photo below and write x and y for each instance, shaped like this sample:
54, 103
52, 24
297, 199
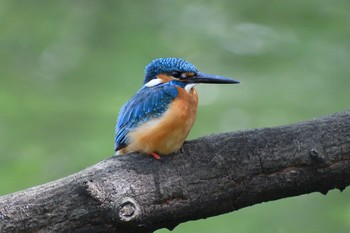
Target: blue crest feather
167, 65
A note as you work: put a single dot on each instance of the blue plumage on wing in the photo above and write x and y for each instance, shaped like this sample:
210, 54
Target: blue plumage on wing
148, 103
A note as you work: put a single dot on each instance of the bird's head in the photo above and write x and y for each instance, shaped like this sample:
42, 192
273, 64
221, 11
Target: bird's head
164, 70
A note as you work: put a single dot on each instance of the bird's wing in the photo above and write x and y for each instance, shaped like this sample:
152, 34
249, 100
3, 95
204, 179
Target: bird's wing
146, 104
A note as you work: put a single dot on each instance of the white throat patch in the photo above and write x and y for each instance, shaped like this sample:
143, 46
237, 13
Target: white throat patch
188, 87
153, 82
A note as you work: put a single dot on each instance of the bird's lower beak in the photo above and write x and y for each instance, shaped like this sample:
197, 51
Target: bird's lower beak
210, 78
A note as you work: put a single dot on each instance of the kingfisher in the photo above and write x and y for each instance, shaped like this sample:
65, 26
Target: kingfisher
158, 118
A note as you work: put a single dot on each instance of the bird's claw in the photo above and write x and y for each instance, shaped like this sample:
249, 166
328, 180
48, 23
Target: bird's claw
155, 155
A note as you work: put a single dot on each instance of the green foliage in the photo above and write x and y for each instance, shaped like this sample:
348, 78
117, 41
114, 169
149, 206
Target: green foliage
68, 66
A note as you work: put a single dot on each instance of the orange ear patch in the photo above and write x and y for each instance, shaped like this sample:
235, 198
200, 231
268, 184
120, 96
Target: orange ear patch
165, 78
189, 74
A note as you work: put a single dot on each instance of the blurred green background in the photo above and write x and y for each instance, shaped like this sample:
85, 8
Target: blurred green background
68, 66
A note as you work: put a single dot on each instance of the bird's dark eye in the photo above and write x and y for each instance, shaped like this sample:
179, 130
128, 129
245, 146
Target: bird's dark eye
176, 74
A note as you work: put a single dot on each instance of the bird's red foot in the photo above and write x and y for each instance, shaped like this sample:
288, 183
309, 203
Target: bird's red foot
156, 156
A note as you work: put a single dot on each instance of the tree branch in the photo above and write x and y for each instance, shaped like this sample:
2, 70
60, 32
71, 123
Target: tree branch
212, 175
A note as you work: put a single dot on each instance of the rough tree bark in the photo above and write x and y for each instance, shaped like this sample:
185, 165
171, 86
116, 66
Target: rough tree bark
211, 176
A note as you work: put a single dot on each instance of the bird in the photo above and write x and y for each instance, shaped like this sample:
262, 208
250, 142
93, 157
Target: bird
158, 118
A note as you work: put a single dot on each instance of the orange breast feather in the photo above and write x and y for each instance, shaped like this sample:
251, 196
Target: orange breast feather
167, 133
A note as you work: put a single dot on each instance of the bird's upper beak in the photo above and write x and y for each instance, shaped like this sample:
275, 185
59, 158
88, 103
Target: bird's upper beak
210, 78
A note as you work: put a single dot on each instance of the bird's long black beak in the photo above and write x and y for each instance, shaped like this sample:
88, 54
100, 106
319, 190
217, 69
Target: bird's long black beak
210, 78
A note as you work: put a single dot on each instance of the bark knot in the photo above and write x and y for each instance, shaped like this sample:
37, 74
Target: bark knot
128, 209
315, 156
